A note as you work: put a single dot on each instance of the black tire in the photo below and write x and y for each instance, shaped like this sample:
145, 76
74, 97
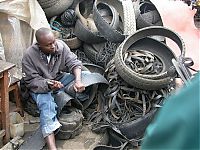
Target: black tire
162, 51
140, 82
132, 77
47, 3
29, 105
59, 7
71, 124
65, 135
73, 43
148, 18
137, 126
128, 20
71, 121
31, 108
68, 18
84, 34
90, 52
94, 68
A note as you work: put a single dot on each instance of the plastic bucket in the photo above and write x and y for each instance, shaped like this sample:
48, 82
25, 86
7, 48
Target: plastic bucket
16, 125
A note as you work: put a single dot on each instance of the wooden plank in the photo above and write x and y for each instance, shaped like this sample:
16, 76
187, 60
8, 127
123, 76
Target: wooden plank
4, 65
5, 106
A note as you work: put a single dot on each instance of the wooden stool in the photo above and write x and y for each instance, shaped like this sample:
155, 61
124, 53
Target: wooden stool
15, 89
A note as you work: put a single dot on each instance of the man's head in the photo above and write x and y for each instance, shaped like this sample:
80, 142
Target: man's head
46, 40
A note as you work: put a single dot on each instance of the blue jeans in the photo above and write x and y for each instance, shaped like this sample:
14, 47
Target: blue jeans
47, 107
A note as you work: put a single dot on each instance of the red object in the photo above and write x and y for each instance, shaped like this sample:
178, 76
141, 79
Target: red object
178, 16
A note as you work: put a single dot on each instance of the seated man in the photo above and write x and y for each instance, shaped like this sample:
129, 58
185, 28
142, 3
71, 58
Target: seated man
44, 67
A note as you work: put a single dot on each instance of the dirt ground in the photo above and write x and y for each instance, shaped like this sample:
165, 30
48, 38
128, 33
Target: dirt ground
87, 140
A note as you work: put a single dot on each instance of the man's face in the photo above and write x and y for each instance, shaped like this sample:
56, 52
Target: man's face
47, 43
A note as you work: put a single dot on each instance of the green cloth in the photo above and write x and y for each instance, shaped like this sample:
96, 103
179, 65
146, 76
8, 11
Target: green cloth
176, 126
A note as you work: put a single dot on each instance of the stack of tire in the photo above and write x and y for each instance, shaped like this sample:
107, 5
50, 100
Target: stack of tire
72, 123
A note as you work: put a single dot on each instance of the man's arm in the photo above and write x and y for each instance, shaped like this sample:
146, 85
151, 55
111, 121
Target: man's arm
75, 66
78, 85
77, 73
34, 81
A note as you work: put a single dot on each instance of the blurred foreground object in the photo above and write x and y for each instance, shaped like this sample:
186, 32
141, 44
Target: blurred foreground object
177, 124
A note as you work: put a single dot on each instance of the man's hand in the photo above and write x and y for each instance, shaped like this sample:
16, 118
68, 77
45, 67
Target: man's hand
54, 85
79, 86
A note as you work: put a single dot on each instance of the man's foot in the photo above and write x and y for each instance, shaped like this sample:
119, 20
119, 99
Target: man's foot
50, 140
